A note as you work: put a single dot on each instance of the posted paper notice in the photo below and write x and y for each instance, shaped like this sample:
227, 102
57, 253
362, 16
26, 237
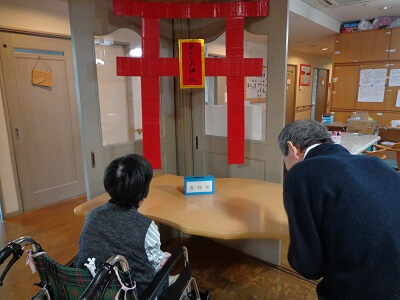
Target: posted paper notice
372, 85
371, 93
394, 78
398, 99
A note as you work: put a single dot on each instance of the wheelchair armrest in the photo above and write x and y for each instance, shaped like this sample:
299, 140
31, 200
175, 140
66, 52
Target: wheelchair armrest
152, 290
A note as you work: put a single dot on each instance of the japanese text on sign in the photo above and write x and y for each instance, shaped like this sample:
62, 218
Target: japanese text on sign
191, 63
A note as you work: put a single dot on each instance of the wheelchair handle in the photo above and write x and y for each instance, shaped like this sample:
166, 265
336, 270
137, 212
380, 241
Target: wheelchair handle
103, 277
5, 253
29, 241
17, 252
119, 259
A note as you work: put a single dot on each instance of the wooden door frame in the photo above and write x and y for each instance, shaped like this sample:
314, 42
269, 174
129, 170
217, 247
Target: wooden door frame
326, 90
295, 89
11, 147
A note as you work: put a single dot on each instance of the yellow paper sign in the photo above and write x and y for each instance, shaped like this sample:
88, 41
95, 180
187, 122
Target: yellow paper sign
42, 78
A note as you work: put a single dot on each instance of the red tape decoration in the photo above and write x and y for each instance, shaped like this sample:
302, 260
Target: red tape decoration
186, 10
132, 66
235, 91
151, 66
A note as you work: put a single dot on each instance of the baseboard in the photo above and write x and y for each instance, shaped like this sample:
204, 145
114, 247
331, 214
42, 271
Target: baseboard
11, 214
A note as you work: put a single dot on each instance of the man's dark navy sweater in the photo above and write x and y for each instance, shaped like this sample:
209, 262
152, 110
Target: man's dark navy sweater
344, 221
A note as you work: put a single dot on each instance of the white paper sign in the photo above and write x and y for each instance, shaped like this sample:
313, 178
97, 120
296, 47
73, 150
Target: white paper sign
373, 77
394, 79
372, 85
371, 93
398, 99
257, 86
366, 77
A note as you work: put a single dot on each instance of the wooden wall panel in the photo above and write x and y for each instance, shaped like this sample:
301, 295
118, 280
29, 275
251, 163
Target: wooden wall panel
341, 116
375, 45
347, 47
395, 44
345, 87
382, 118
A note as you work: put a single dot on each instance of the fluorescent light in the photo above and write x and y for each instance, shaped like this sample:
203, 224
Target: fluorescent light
137, 52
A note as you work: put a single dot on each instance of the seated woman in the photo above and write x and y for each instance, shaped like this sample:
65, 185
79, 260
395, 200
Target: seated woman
118, 228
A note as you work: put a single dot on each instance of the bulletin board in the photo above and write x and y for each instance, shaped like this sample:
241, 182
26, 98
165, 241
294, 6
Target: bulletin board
256, 88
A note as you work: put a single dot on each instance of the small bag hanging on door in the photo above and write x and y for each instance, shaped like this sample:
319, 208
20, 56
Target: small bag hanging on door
42, 78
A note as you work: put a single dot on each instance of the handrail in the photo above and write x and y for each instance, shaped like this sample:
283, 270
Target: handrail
304, 106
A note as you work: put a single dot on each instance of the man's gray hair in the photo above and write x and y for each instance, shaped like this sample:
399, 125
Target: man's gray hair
303, 134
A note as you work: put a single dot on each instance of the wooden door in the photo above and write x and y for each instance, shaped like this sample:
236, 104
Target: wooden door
394, 53
347, 47
345, 87
43, 119
321, 94
375, 45
290, 94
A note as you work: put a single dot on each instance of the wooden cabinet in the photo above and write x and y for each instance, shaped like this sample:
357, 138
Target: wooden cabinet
347, 47
366, 46
375, 45
345, 87
375, 49
394, 53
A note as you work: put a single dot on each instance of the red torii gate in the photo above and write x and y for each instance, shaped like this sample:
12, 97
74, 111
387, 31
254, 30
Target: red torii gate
151, 66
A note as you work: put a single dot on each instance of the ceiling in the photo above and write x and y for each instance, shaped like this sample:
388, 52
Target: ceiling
363, 10
308, 37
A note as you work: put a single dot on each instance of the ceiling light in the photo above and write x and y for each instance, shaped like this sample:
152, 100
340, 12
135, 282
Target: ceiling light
386, 7
324, 49
137, 52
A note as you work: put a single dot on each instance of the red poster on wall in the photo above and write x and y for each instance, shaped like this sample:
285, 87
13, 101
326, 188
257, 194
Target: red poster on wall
191, 63
305, 75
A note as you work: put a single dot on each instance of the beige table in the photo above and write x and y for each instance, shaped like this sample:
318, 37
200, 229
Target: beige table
357, 143
240, 208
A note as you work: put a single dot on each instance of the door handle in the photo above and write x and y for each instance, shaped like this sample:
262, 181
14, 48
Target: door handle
139, 130
16, 133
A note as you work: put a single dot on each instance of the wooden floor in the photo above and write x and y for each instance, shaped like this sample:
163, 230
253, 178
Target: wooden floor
227, 273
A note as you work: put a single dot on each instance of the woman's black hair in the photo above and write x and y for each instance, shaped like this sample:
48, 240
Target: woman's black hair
127, 180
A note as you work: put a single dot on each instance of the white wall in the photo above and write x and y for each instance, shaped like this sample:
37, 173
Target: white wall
307, 11
36, 15
49, 16
304, 96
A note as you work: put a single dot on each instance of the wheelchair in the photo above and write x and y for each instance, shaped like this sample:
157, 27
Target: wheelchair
111, 281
